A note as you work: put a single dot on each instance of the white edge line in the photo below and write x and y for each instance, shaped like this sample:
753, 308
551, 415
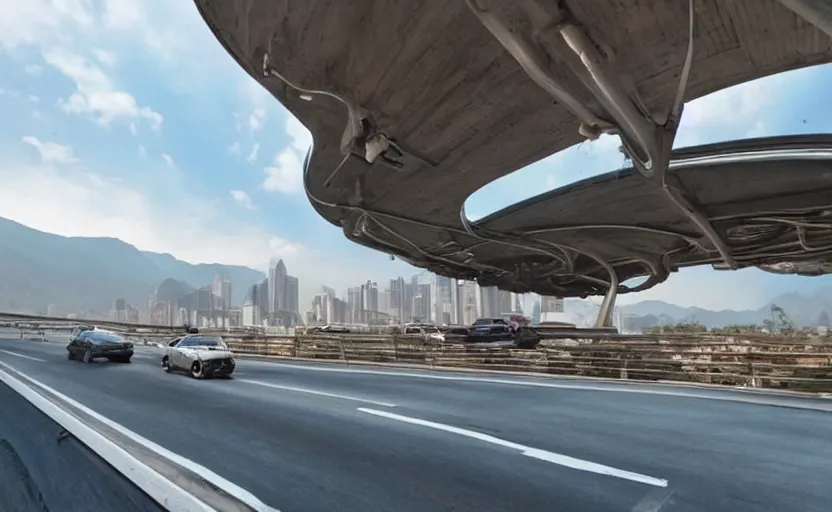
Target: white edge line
155, 485
315, 392
23, 356
220, 482
749, 396
554, 458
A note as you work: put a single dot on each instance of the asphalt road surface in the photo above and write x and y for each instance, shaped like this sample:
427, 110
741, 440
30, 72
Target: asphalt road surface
304, 437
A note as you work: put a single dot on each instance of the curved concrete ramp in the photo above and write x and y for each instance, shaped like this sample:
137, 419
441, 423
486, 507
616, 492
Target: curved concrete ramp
414, 106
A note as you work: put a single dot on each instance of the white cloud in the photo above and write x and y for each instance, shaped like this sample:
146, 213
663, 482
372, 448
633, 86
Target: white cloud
32, 21
52, 153
285, 175
104, 57
242, 199
34, 99
8, 92
256, 101
252, 156
33, 69
95, 95
123, 14
300, 135
257, 119
234, 149
168, 160
192, 229
142, 150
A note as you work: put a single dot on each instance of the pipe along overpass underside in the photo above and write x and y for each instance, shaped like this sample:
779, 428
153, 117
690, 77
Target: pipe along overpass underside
439, 99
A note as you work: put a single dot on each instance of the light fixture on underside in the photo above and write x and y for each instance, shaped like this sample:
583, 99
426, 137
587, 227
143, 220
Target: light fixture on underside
803, 268
306, 97
753, 232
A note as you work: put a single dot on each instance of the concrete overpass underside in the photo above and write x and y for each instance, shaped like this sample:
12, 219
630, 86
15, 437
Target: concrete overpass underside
414, 106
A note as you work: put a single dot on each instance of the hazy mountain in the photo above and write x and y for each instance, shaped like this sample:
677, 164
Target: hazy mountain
803, 307
77, 273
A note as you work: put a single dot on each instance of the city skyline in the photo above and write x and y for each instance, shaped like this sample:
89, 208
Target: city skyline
423, 297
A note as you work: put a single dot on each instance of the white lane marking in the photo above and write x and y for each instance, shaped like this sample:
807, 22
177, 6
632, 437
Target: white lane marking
315, 392
215, 479
750, 395
155, 485
554, 458
21, 355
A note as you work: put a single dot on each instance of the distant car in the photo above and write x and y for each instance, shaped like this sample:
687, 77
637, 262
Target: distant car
89, 345
329, 329
429, 331
201, 356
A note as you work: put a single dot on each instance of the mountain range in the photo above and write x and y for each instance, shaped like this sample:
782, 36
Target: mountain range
87, 274
804, 307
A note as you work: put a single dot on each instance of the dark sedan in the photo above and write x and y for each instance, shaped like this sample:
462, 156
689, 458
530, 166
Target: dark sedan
90, 345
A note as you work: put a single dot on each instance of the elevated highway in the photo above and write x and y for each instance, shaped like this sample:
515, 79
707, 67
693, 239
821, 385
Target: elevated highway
415, 106
298, 437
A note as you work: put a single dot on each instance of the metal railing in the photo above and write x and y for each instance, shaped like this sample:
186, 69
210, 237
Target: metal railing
752, 360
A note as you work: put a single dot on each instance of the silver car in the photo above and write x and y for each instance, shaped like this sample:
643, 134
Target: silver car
200, 355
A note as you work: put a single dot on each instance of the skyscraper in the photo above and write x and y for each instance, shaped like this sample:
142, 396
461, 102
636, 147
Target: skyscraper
444, 300
277, 287
467, 312
551, 304
292, 291
222, 289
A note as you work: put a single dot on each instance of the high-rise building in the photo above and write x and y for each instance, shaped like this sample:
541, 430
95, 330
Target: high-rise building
489, 301
467, 311
277, 287
518, 303
444, 300
292, 294
422, 303
251, 306
551, 304
369, 301
552, 310
397, 299
505, 302
354, 305
222, 289
119, 311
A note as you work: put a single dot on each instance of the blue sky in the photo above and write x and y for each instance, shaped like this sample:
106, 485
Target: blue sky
125, 118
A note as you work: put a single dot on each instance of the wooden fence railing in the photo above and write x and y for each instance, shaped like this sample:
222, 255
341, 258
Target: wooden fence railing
723, 360
754, 360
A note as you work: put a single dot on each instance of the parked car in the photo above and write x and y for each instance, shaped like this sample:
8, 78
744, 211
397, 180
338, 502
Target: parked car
91, 344
495, 329
328, 329
486, 330
200, 355
429, 331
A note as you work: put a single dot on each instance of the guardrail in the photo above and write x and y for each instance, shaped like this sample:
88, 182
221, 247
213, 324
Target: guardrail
734, 361
752, 360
